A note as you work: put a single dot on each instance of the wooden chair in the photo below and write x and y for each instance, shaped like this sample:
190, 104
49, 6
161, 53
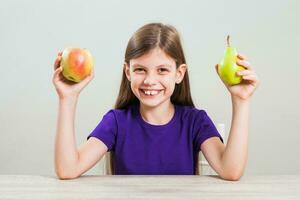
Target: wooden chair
203, 166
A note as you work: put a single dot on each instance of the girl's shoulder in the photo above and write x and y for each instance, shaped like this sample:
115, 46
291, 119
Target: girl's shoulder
191, 113
195, 117
190, 110
130, 110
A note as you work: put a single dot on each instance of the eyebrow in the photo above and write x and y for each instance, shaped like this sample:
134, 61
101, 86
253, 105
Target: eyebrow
161, 65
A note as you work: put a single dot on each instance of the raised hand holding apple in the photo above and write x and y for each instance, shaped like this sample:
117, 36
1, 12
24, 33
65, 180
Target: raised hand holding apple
73, 70
237, 74
77, 64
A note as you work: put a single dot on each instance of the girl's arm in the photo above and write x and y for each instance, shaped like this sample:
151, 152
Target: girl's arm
66, 154
230, 161
235, 155
71, 162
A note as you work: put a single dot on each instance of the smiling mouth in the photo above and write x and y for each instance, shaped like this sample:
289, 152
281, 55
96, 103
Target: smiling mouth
150, 92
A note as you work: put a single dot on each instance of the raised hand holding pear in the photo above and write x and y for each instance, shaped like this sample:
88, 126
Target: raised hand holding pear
228, 66
237, 74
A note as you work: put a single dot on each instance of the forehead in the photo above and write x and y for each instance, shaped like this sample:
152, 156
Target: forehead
153, 58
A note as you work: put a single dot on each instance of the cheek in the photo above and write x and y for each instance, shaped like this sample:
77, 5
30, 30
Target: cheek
136, 81
169, 84
170, 80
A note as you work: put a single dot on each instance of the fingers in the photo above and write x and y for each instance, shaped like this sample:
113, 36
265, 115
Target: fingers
253, 78
242, 57
56, 75
57, 63
244, 63
57, 60
242, 60
249, 75
58, 71
244, 72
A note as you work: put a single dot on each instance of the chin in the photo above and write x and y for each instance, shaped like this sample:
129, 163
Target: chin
152, 103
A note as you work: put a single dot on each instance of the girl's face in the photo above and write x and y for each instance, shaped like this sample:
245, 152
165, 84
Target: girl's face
153, 77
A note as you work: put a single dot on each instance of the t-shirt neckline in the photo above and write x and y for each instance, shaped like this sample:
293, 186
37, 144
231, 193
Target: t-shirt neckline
157, 127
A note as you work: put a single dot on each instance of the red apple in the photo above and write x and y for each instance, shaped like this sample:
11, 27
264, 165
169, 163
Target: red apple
77, 63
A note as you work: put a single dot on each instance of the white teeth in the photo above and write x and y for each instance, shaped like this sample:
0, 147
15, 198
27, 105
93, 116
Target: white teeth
148, 92
154, 92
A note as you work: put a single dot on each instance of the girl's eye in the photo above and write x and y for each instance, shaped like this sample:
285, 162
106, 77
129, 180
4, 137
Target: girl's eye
163, 70
139, 69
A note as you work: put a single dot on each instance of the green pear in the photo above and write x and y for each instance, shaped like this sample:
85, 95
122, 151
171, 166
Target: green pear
228, 68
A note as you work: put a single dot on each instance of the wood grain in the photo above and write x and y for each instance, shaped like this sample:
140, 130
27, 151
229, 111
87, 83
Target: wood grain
149, 187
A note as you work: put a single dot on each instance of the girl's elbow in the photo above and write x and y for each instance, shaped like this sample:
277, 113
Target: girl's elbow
232, 176
66, 176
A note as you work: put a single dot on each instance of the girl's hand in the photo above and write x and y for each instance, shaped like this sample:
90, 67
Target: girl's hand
249, 83
64, 87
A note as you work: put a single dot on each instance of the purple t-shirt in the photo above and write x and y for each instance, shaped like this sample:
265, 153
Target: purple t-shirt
141, 148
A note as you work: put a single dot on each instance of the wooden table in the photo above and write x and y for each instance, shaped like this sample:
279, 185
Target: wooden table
149, 187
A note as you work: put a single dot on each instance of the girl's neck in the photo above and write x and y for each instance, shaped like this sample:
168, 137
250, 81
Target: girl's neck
159, 115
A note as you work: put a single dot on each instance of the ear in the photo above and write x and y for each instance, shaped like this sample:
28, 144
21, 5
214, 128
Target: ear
180, 72
126, 69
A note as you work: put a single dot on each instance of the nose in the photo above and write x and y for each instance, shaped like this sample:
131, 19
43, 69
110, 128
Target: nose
150, 79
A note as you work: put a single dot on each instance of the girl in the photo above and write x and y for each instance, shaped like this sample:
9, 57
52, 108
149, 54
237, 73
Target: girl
155, 127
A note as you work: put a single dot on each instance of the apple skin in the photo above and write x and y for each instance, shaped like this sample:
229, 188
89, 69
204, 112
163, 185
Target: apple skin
227, 68
77, 63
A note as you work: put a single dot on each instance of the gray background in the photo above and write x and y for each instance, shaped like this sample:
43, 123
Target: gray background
32, 32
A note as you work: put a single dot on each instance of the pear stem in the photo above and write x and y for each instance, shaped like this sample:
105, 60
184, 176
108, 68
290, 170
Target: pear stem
228, 42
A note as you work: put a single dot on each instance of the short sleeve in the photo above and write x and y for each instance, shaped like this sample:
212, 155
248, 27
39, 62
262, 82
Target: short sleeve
204, 129
106, 130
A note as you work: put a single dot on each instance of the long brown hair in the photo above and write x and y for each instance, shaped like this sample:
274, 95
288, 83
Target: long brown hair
145, 39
